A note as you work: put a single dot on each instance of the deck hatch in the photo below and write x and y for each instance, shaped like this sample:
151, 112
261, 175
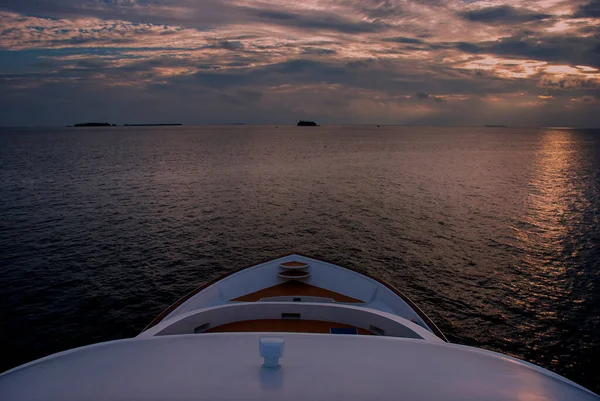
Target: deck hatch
293, 274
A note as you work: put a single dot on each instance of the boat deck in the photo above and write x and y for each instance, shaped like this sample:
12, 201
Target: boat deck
321, 282
295, 288
283, 326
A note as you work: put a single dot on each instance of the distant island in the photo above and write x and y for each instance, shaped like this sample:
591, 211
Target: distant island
125, 125
307, 124
495, 126
94, 125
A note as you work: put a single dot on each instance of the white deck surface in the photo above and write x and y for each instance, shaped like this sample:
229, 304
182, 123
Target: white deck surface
323, 367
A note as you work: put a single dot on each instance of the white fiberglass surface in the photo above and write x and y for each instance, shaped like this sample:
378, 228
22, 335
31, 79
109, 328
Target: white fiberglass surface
333, 367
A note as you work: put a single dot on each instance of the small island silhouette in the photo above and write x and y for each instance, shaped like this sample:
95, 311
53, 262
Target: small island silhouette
124, 125
302, 123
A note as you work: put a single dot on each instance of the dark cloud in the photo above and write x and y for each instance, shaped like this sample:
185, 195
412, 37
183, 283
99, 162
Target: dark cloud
316, 21
426, 96
160, 12
92, 63
391, 78
307, 66
503, 14
404, 39
357, 64
295, 72
468, 47
552, 48
232, 45
589, 10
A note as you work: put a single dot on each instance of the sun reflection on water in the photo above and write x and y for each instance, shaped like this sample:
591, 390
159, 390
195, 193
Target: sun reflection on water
544, 285
549, 210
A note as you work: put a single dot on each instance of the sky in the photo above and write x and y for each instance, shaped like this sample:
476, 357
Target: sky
431, 62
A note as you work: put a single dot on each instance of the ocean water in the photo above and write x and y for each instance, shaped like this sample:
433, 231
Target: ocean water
493, 232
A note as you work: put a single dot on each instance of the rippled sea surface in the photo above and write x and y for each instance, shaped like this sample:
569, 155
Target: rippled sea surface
494, 232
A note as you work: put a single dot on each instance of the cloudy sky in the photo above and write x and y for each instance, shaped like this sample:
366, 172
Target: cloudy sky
456, 62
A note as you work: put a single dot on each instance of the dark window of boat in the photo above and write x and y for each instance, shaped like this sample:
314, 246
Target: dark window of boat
201, 328
290, 316
376, 330
297, 299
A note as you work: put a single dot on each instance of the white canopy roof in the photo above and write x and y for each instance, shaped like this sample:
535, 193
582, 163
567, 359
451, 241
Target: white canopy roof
227, 366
